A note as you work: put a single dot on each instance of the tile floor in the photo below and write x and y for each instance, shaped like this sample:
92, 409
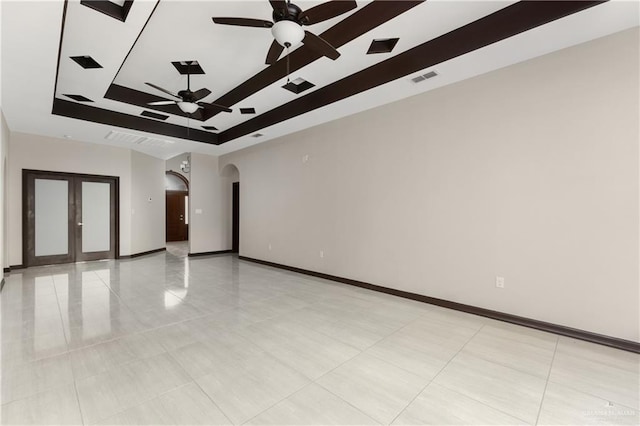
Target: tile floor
166, 339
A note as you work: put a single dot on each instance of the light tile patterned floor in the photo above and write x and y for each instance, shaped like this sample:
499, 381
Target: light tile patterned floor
166, 339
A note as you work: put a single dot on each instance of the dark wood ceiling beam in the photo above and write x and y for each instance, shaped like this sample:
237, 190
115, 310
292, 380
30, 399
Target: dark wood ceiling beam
142, 99
358, 23
85, 112
505, 23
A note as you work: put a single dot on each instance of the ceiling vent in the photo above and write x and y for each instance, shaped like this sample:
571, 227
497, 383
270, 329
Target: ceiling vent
257, 135
424, 77
123, 137
135, 139
153, 142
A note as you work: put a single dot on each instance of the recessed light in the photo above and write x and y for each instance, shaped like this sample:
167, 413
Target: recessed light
188, 67
298, 85
86, 61
67, 136
78, 98
382, 45
152, 114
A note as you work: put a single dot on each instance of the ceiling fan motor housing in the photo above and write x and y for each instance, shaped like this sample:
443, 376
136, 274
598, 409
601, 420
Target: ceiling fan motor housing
186, 95
291, 14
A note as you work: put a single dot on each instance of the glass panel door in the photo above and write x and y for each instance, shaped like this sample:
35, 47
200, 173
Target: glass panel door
48, 215
51, 217
95, 217
68, 217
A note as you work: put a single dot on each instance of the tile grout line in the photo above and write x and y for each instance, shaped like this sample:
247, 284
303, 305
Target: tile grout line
146, 400
315, 381
311, 381
481, 402
193, 380
73, 377
436, 375
544, 392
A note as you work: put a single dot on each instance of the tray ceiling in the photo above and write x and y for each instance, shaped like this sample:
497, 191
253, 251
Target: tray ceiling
82, 71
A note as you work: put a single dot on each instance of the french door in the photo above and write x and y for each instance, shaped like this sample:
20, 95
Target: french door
68, 217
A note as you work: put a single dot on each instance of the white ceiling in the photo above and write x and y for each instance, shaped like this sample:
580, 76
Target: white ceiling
183, 30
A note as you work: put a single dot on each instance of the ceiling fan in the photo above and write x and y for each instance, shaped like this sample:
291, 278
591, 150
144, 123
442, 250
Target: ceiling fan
288, 20
188, 100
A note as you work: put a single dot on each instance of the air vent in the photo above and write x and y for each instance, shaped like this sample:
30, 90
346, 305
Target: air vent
123, 137
247, 110
257, 135
209, 127
424, 77
135, 139
153, 142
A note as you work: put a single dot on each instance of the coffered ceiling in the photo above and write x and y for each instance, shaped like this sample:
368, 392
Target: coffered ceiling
78, 69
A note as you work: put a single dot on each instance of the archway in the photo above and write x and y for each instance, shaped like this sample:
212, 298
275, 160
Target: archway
177, 207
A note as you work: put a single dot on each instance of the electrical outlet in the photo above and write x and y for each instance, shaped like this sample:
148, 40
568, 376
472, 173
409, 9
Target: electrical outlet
321, 254
269, 246
305, 158
500, 282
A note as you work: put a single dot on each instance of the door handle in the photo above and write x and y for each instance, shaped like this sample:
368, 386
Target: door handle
80, 223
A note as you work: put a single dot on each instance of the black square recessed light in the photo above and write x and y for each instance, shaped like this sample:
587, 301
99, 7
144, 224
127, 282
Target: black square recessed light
209, 128
154, 115
298, 85
188, 67
110, 8
247, 110
382, 45
86, 61
78, 98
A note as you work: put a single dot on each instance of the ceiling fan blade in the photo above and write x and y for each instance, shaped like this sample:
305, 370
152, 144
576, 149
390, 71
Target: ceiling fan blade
274, 53
280, 7
320, 45
214, 107
244, 22
163, 90
162, 103
325, 11
199, 94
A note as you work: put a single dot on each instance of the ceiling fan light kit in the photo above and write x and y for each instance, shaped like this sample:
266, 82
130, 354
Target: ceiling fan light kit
188, 107
287, 33
286, 27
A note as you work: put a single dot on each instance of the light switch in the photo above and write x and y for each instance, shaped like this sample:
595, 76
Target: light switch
198, 211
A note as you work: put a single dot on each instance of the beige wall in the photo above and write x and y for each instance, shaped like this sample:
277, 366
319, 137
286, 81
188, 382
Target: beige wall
173, 164
529, 172
4, 160
210, 229
141, 222
147, 203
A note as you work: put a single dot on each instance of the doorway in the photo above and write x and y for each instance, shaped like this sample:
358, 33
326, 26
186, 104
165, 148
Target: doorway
68, 217
177, 214
235, 221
